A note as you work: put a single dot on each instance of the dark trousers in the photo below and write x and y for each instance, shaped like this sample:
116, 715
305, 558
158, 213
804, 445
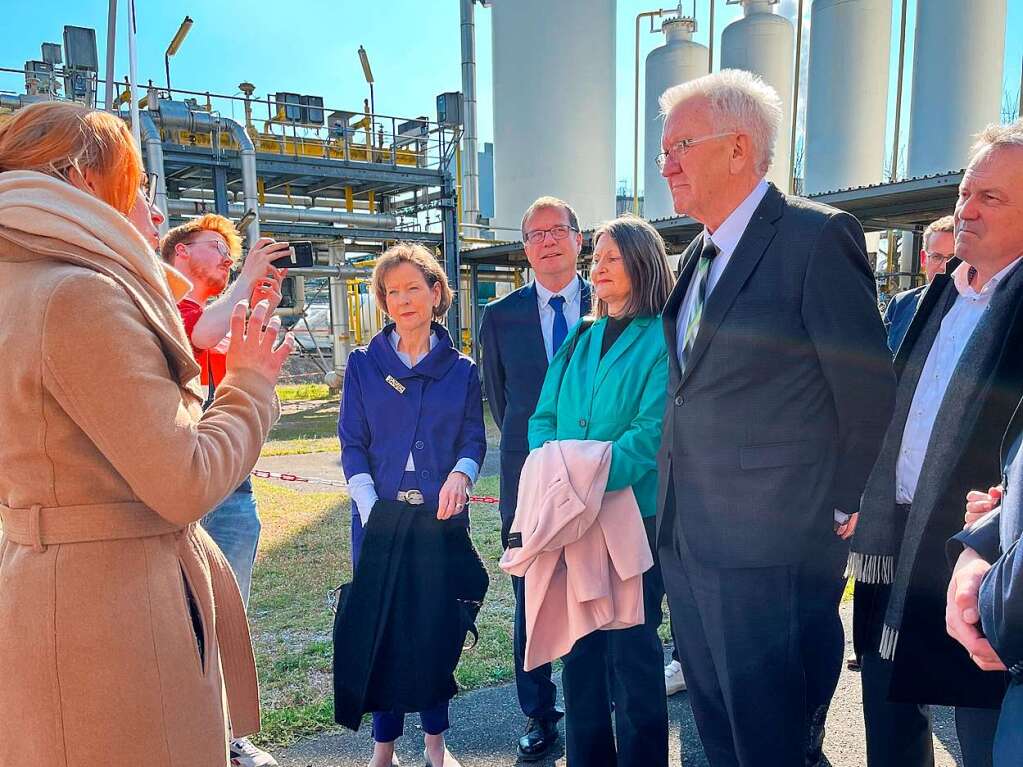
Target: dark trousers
740, 643
537, 693
631, 662
899, 734
822, 637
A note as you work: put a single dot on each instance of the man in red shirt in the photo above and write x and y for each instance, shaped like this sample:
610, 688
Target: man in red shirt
204, 250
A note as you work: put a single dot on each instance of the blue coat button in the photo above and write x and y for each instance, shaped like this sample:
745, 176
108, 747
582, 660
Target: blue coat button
679, 401
582, 422
419, 445
424, 474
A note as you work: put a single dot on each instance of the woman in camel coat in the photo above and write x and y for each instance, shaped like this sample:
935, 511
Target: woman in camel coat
123, 637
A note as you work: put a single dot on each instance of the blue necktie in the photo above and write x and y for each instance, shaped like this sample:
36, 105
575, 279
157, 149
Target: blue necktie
557, 303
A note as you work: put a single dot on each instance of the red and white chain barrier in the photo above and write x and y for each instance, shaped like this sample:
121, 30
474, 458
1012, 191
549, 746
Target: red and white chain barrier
338, 483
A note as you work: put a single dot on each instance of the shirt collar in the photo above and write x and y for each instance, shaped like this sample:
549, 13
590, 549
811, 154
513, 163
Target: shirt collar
395, 337
727, 236
961, 279
570, 292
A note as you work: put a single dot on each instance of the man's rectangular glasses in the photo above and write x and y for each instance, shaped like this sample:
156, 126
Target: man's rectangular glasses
559, 232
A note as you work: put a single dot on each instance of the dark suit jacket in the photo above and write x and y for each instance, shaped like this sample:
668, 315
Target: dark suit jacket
899, 314
779, 415
997, 538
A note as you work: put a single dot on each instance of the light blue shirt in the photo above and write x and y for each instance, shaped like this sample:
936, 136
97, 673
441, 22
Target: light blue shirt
361, 489
726, 238
572, 293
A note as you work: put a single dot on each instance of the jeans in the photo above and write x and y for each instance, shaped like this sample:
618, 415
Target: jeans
234, 526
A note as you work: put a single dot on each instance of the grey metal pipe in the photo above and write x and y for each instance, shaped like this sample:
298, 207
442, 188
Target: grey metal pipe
471, 174
295, 200
339, 311
108, 91
174, 114
154, 160
294, 215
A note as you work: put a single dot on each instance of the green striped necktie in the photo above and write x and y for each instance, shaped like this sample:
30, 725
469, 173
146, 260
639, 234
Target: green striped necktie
702, 273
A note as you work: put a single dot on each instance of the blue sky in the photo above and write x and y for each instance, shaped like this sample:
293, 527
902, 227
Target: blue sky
310, 47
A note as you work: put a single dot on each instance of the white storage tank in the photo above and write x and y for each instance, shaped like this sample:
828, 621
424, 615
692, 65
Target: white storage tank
957, 81
677, 61
763, 42
847, 93
554, 107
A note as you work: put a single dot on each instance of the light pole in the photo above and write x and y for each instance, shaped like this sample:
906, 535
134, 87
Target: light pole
368, 73
179, 37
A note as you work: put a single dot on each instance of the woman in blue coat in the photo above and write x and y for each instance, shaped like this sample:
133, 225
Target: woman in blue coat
411, 429
608, 382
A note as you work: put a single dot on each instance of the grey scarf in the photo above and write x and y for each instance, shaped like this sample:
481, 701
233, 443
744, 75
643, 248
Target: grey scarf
879, 554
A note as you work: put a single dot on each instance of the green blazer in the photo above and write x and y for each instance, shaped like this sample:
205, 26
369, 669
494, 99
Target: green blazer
617, 399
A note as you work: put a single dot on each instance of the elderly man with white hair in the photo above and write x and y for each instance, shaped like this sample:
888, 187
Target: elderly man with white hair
779, 391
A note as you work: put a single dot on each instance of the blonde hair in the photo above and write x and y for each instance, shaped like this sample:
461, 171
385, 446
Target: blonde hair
943, 224
422, 259
56, 137
211, 222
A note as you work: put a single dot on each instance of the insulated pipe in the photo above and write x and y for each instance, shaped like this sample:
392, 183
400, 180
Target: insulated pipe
293, 215
471, 179
174, 114
295, 200
338, 315
154, 160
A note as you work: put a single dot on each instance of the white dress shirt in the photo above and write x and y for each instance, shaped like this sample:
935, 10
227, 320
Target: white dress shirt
572, 293
956, 328
361, 488
726, 239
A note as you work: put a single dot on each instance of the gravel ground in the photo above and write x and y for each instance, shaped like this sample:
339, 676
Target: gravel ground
487, 722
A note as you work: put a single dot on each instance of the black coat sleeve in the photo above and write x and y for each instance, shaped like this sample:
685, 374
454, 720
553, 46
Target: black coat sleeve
841, 316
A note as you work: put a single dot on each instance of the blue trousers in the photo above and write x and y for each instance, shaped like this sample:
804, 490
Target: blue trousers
234, 526
388, 726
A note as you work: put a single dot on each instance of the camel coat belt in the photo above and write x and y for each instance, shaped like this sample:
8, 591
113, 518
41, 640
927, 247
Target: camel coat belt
40, 528
582, 551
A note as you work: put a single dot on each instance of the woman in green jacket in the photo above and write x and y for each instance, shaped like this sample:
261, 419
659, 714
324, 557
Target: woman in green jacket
608, 382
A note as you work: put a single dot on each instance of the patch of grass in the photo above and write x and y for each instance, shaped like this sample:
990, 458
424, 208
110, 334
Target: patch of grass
297, 392
311, 420
304, 553
300, 446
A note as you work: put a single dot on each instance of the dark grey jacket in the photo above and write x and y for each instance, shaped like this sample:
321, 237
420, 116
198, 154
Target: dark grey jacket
779, 415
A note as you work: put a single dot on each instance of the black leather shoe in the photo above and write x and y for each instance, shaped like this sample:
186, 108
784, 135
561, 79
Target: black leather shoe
541, 735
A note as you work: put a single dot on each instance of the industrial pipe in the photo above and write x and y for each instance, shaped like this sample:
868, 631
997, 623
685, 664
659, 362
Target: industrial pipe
338, 315
154, 160
293, 215
470, 182
174, 114
293, 200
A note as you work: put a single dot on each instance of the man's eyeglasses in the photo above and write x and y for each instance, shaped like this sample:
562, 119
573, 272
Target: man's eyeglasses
148, 187
938, 258
224, 251
679, 148
559, 232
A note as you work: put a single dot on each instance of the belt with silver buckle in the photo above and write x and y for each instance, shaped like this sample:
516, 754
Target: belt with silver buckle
412, 497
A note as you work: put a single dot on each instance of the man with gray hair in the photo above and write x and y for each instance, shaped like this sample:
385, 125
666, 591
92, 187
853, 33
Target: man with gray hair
780, 387
960, 379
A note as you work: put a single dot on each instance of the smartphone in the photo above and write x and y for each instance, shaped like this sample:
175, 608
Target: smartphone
300, 256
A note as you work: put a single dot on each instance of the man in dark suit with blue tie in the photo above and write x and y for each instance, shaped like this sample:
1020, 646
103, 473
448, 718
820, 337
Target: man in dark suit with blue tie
519, 335
780, 388
939, 247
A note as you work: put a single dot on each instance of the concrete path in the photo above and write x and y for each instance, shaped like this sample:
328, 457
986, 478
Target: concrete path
487, 722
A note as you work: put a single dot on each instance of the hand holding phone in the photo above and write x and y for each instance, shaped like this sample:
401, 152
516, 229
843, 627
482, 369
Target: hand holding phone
299, 256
